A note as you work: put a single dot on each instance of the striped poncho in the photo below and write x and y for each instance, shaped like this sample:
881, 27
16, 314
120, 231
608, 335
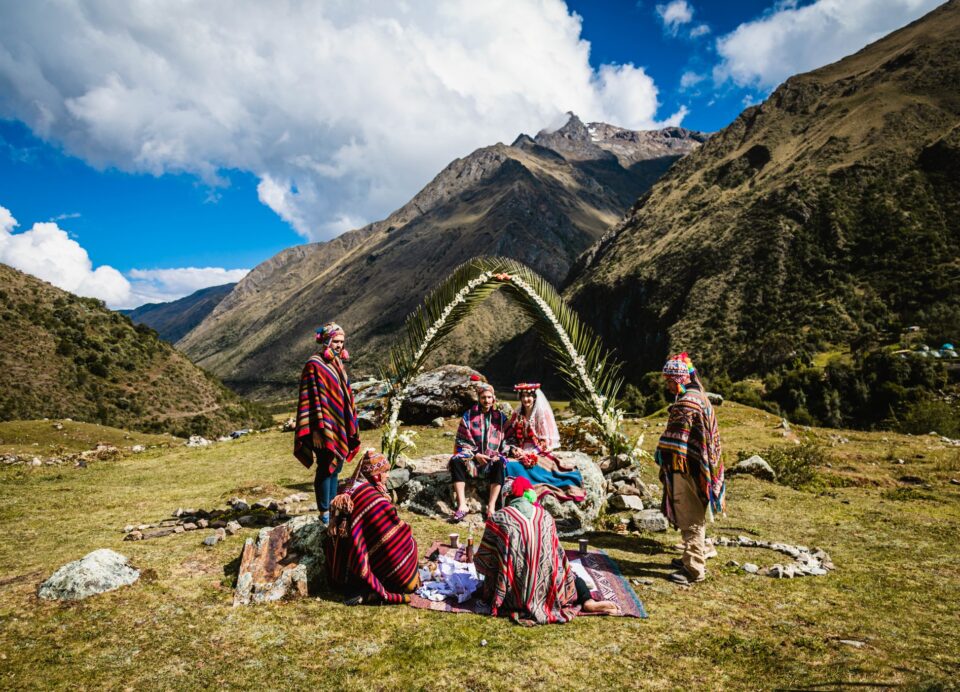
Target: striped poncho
479, 433
377, 552
526, 572
326, 415
690, 443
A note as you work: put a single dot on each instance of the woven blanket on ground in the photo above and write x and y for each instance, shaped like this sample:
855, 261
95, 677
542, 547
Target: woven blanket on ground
611, 585
326, 414
547, 478
378, 552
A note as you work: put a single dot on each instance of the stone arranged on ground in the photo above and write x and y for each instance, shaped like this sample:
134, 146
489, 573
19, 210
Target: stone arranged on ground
651, 520
813, 562
102, 452
263, 512
285, 561
755, 466
98, 572
429, 491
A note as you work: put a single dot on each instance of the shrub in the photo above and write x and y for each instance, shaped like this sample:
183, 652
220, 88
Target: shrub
929, 415
795, 465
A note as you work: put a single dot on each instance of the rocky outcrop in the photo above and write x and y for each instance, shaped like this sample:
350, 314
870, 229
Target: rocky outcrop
98, 572
284, 562
754, 466
444, 391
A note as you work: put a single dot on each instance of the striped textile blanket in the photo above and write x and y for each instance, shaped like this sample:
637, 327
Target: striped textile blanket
610, 585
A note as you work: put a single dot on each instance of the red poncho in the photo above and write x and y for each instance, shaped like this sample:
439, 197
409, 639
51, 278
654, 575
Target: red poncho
326, 415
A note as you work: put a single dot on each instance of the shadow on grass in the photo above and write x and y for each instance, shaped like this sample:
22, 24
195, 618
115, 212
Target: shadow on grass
634, 544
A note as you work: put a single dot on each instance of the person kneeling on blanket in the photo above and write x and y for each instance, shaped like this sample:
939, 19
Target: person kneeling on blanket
371, 553
526, 571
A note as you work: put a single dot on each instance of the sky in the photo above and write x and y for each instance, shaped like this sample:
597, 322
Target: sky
149, 149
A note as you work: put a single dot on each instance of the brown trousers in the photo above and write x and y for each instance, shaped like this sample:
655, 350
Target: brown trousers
691, 515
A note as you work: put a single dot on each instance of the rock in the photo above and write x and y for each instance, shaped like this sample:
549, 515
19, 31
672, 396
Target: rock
134, 536
755, 466
197, 441
233, 527
128, 528
161, 532
623, 503
781, 572
137, 449
267, 503
750, 568
239, 505
211, 540
955, 481
714, 398
286, 561
445, 391
437, 422
369, 419
397, 477
202, 523
615, 463
852, 642
733, 563
100, 571
651, 520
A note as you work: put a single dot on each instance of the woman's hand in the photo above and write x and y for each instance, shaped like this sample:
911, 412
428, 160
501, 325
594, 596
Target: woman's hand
481, 458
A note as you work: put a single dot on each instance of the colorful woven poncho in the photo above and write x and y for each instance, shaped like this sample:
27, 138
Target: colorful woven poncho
690, 443
378, 549
326, 415
527, 570
470, 438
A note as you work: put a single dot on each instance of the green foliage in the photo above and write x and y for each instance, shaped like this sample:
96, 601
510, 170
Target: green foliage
931, 415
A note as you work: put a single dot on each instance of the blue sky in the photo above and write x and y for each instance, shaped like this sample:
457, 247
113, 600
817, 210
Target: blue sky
175, 151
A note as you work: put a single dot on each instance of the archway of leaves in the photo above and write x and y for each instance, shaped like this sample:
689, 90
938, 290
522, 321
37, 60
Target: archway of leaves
578, 354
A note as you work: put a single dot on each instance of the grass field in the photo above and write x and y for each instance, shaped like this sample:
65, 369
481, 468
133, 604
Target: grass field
896, 587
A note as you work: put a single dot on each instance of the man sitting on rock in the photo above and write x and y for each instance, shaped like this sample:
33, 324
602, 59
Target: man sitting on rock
479, 449
526, 571
371, 553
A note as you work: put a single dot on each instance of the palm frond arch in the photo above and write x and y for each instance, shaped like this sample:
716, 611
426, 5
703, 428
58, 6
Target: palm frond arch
579, 355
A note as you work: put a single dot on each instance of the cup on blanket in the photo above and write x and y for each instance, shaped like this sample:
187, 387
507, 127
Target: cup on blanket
454, 540
583, 546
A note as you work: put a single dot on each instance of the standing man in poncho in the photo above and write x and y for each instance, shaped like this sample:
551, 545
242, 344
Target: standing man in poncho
691, 468
326, 416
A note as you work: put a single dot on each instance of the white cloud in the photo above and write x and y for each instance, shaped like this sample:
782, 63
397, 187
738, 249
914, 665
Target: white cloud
49, 253
699, 30
764, 52
690, 79
674, 15
342, 110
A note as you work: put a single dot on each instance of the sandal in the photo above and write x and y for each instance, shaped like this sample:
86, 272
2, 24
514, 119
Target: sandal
458, 516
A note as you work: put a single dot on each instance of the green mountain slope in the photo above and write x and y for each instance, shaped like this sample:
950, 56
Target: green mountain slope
67, 357
828, 215
173, 320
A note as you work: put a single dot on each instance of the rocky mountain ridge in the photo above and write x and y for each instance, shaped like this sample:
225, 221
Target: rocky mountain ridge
527, 200
172, 320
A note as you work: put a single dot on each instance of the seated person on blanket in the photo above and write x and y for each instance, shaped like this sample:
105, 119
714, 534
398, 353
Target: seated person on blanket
533, 436
371, 553
479, 449
525, 569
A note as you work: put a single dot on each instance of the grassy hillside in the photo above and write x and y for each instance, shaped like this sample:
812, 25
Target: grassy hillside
62, 356
825, 219
885, 524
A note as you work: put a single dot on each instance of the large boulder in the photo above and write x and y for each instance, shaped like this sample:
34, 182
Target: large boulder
445, 391
100, 571
284, 562
754, 466
429, 491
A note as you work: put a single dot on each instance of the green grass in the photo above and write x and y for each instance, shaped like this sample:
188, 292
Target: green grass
896, 586
42, 438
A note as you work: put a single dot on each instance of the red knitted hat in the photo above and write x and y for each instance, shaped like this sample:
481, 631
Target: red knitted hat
520, 486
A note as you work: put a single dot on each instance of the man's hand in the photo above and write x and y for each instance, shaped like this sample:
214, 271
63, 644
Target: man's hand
482, 458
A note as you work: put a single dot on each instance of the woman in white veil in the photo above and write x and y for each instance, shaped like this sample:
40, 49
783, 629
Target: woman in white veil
533, 437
